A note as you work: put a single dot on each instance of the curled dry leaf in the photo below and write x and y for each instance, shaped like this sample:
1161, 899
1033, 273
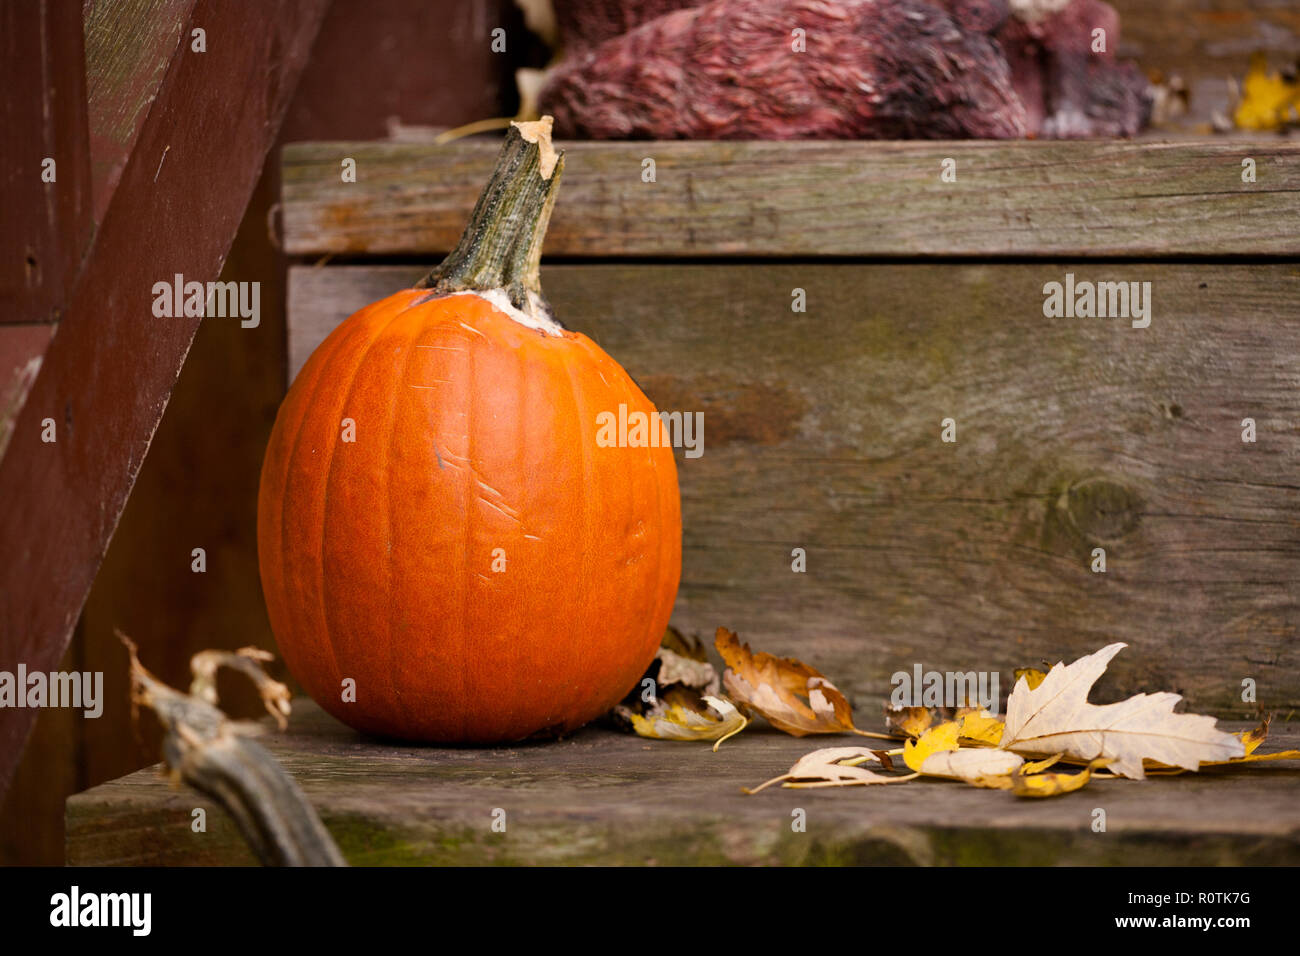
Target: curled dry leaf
1026, 784
1251, 739
684, 660
935, 740
979, 766
790, 694
938, 754
1055, 717
685, 715
681, 676
907, 721
981, 727
1038, 766
834, 767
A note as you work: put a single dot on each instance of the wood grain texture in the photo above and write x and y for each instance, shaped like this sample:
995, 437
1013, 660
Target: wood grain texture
822, 431
604, 798
176, 210
818, 199
47, 225
21, 350
129, 45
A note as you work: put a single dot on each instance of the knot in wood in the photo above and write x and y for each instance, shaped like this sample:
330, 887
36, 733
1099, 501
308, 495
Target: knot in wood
1101, 509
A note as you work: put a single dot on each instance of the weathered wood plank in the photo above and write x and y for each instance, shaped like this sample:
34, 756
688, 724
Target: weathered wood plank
175, 210
21, 350
818, 199
47, 225
822, 431
129, 44
606, 798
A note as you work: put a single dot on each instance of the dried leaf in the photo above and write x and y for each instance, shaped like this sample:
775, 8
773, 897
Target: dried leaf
908, 721
685, 715
1032, 677
684, 660
1027, 784
790, 694
982, 727
1038, 766
681, 663
976, 765
1250, 739
1269, 100
938, 754
935, 740
1056, 717
833, 767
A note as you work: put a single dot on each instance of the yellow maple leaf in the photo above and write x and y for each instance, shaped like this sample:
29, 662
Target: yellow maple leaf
1269, 101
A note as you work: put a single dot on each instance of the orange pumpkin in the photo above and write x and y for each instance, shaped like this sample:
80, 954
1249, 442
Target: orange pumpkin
473, 559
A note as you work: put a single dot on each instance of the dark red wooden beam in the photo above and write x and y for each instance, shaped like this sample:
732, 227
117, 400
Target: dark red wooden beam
109, 371
47, 225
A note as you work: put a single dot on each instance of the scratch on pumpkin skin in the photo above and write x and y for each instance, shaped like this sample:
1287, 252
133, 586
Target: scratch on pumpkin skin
470, 328
486, 487
504, 509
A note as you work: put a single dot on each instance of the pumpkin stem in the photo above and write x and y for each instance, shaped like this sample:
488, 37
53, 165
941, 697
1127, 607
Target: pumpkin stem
501, 247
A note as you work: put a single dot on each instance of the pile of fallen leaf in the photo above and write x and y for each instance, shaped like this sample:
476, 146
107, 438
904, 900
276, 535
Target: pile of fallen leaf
1049, 725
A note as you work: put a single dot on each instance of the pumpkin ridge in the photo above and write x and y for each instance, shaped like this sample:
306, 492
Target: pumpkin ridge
389, 558
295, 447
587, 542
468, 537
353, 378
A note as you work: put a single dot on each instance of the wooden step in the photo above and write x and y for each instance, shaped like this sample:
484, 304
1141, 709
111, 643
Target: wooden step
603, 797
1030, 199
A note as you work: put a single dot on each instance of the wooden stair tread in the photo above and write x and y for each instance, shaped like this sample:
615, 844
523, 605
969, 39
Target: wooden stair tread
602, 797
